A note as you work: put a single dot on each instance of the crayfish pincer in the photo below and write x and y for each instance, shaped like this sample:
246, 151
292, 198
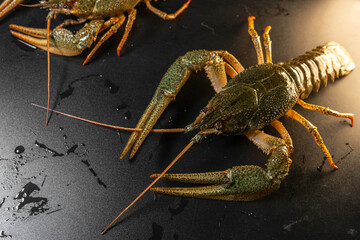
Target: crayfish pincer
253, 98
64, 42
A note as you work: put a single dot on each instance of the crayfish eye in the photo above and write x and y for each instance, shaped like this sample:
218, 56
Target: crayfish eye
205, 109
218, 125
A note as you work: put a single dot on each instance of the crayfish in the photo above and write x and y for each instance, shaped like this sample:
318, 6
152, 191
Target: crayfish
61, 41
252, 99
64, 42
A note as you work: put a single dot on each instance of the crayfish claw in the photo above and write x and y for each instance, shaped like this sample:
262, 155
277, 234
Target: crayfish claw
37, 38
240, 183
62, 41
7, 5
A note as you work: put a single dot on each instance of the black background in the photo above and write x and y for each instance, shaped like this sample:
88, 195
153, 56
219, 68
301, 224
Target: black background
80, 192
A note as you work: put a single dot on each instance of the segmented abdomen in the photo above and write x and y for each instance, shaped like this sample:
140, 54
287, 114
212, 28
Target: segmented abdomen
318, 66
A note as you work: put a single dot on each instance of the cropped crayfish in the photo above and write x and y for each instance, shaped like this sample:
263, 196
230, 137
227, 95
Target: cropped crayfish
64, 42
253, 98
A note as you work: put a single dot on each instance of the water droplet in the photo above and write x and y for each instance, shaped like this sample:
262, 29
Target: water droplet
113, 88
19, 149
121, 106
157, 231
127, 115
180, 207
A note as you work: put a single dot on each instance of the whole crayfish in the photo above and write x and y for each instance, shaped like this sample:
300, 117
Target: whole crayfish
252, 99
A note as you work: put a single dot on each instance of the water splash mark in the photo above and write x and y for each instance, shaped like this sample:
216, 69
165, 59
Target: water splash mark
72, 149
99, 181
57, 210
3, 235
179, 208
86, 162
281, 11
289, 226
53, 152
42, 184
176, 236
203, 24
2, 202
258, 8
249, 214
320, 168
69, 91
38, 203
120, 136
157, 232
351, 149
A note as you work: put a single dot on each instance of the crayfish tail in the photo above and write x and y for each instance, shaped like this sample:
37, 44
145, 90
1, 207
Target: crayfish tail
316, 67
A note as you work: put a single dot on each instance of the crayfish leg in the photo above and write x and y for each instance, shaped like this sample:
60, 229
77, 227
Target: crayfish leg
234, 63
279, 127
256, 40
164, 15
129, 24
326, 110
68, 22
314, 132
267, 44
115, 23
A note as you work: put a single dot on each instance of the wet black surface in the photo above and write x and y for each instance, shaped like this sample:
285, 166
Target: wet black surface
81, 184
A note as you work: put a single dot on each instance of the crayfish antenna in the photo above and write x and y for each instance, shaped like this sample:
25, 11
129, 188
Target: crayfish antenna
171, 130
48, 69
146, 189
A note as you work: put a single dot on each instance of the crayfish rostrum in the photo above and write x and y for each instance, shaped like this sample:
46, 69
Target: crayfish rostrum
64, 42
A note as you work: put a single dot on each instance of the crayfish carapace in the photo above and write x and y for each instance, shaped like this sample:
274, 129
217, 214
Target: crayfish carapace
64, 42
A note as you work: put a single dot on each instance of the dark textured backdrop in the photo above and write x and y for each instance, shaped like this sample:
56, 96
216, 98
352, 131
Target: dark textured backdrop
75, 183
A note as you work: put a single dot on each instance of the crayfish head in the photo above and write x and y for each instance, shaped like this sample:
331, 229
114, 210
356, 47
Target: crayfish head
228, 112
